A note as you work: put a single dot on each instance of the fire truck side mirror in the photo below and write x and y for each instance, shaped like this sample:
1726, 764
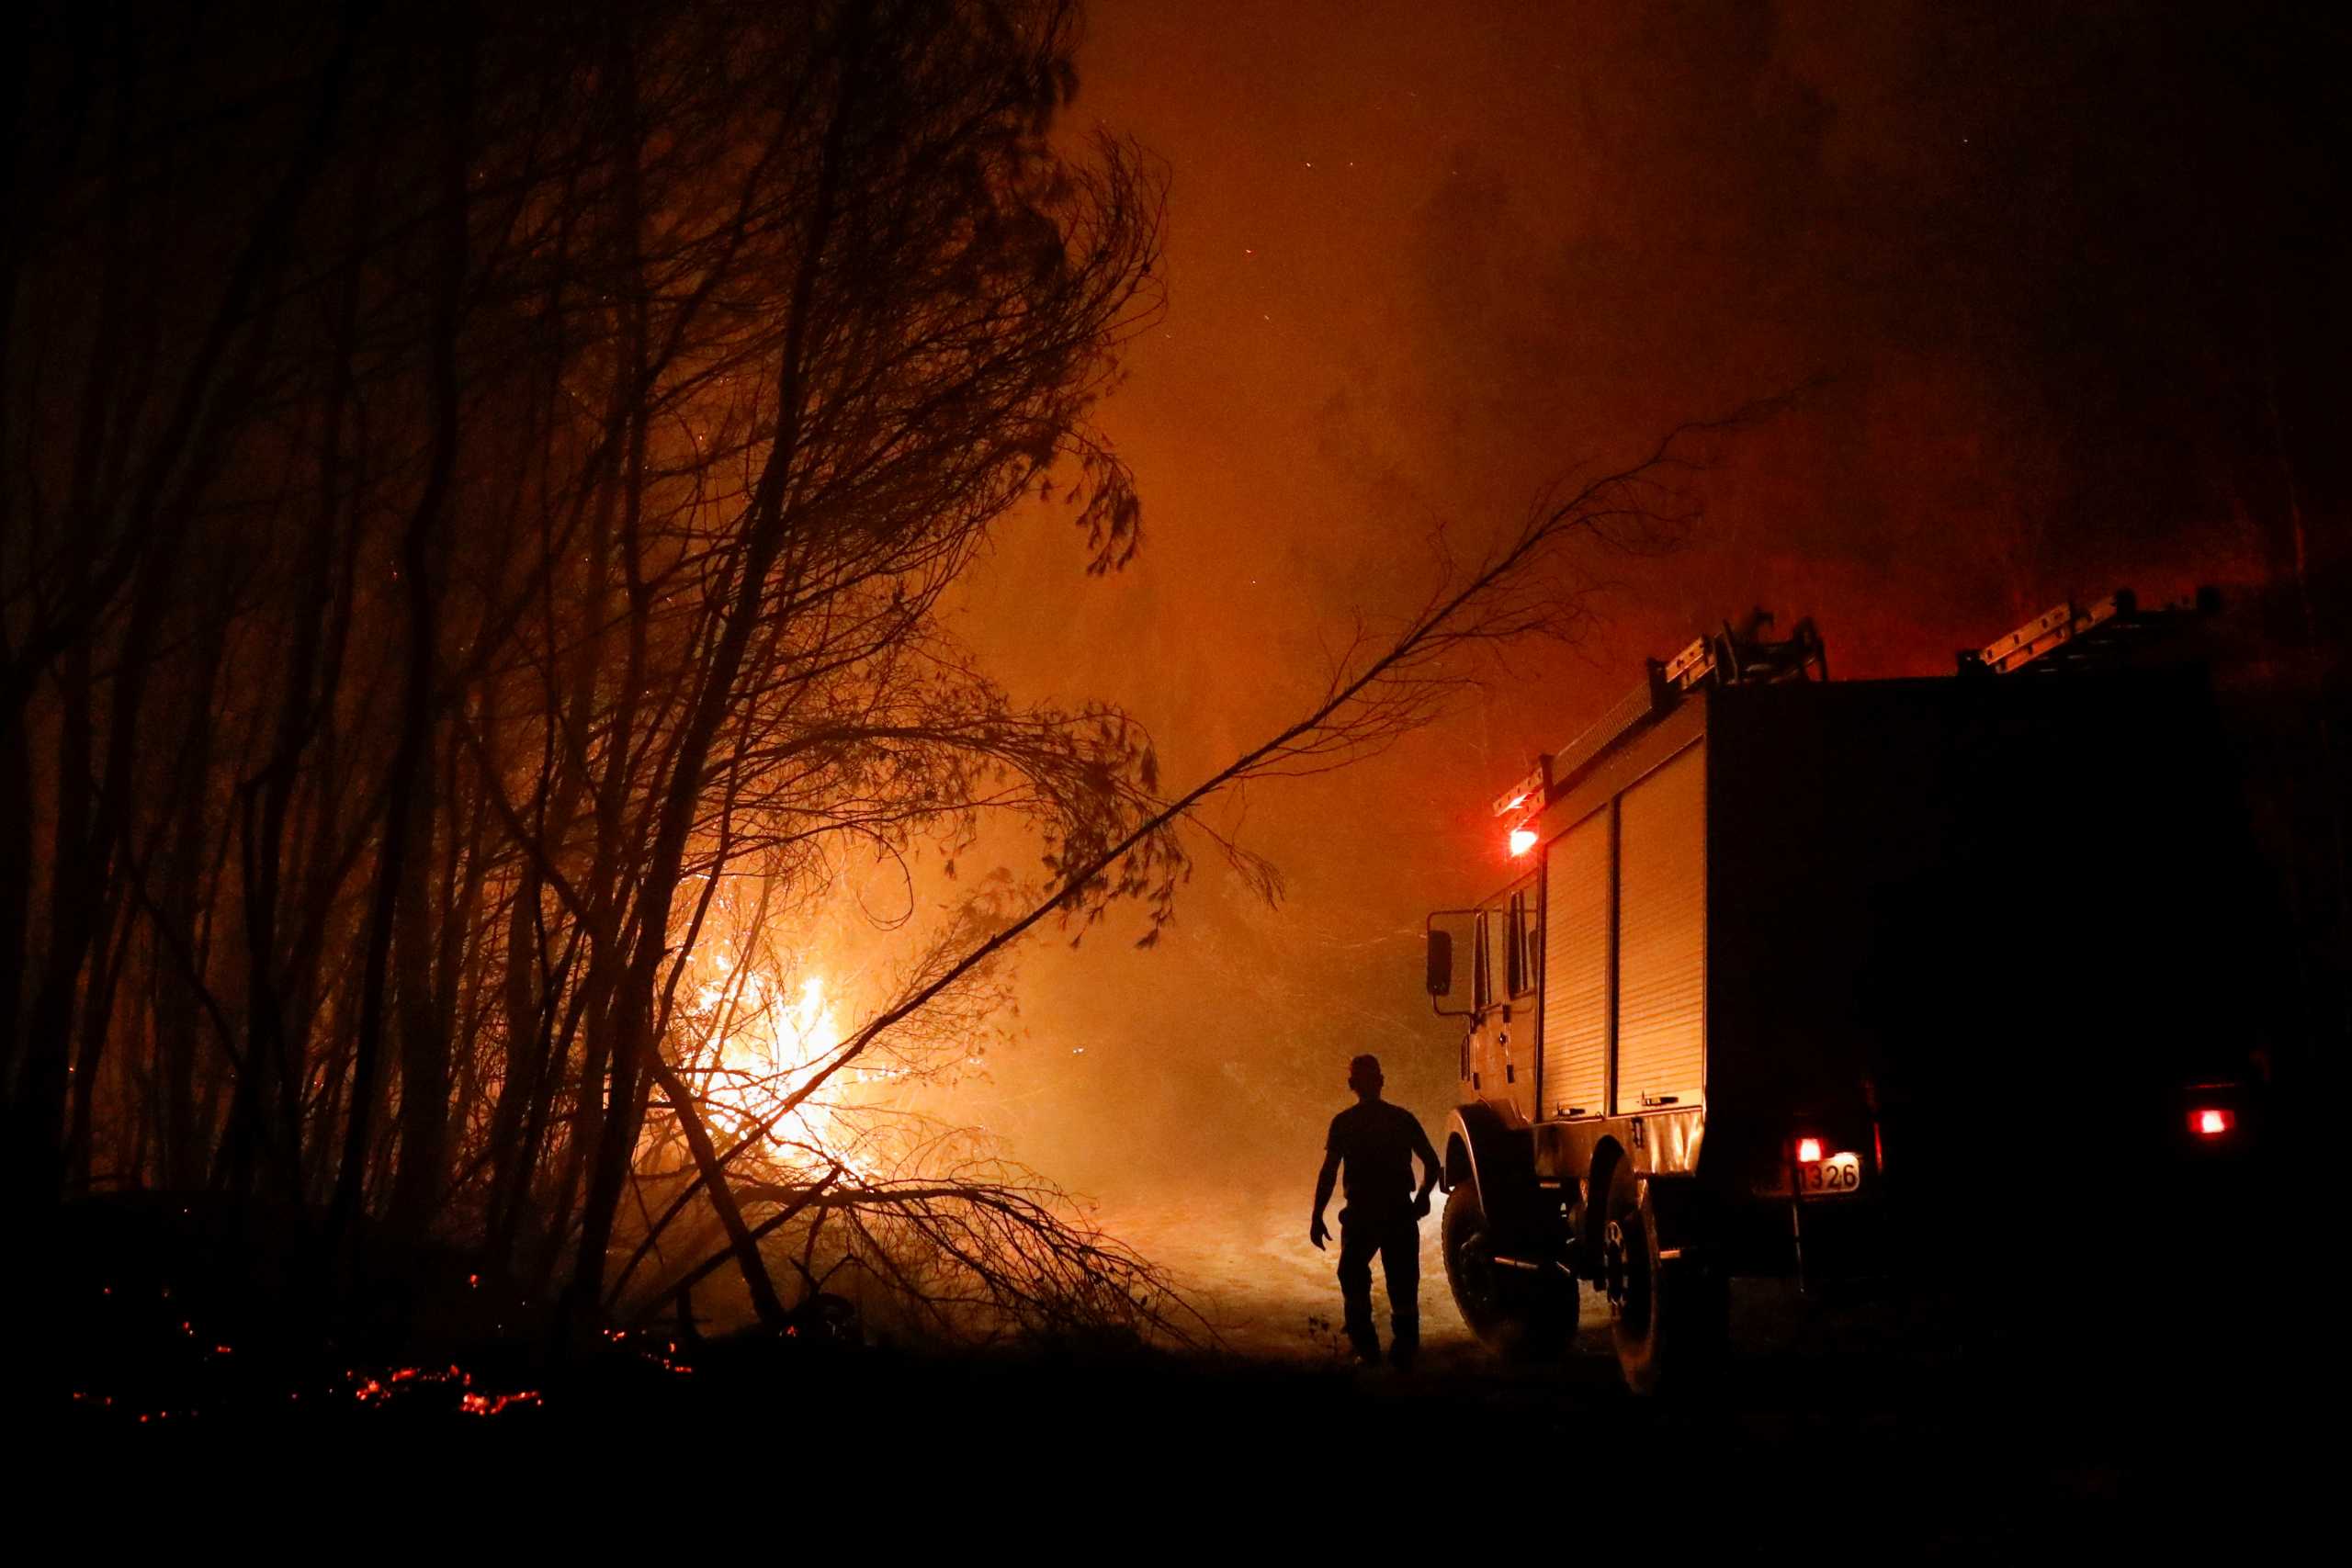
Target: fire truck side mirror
1449, 930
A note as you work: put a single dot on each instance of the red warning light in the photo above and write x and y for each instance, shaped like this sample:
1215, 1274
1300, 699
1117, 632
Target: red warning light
1808, 1151
1521, 840
2211, 1122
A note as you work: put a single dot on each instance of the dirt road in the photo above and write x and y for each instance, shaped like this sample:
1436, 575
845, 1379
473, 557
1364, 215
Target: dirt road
1242, 1257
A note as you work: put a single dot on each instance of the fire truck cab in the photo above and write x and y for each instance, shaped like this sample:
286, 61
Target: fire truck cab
1820, 978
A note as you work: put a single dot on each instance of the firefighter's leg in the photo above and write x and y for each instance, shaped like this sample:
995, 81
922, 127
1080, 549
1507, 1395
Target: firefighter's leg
1400, 1266
1358, 1242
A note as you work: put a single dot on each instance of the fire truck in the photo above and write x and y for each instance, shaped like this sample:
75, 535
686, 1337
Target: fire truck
1846, 980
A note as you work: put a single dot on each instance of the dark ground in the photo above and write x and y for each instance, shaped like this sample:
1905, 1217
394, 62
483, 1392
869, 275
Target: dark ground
1835, 1434
1915, 1456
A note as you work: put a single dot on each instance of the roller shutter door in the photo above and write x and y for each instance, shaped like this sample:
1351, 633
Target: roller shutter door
1662, 935
1576, 970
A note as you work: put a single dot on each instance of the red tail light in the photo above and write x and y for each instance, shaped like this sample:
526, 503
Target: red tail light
2212, 1121
1808, 1151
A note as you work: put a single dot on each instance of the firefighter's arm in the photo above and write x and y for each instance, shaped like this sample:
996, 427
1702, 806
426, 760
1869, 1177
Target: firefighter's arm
1319, 1233
1432, 1170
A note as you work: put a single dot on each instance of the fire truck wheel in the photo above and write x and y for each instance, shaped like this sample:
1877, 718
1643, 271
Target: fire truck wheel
1668, 1315
1525, 1316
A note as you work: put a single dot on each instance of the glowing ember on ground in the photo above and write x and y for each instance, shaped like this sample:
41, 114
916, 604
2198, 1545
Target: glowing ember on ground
491, 1404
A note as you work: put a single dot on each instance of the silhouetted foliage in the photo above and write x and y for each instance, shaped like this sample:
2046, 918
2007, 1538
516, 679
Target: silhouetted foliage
480, 482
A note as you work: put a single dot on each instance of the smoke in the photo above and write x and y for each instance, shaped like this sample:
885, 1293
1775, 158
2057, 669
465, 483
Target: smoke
2060, 283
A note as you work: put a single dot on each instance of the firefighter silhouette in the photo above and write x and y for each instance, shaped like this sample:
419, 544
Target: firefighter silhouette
1375, 1142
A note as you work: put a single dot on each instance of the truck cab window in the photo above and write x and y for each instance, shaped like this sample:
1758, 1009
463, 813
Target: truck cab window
1482, 993
1519, 943
1495, 942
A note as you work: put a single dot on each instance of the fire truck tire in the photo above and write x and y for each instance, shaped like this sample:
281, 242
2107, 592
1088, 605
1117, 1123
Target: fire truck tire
1526, 1317
1669, 1317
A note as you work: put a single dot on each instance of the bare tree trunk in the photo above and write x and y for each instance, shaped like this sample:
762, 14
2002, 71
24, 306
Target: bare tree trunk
423, 1055
764, 535
98, 1019
77, 872
405, 811
16, 883
526, 1006
265, 802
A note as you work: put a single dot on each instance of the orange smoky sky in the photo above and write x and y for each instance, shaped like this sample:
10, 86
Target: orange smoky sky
2063, 284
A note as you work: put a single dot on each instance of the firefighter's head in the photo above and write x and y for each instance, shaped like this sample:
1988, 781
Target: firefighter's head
1363, 1076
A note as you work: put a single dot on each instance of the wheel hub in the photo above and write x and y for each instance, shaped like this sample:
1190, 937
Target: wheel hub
1478, 1266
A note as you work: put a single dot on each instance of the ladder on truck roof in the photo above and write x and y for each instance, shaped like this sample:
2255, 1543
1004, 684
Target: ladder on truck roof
1733, 657
2070, 636
2073, 637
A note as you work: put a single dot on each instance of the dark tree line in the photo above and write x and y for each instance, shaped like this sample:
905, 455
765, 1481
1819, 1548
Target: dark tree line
479, 482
